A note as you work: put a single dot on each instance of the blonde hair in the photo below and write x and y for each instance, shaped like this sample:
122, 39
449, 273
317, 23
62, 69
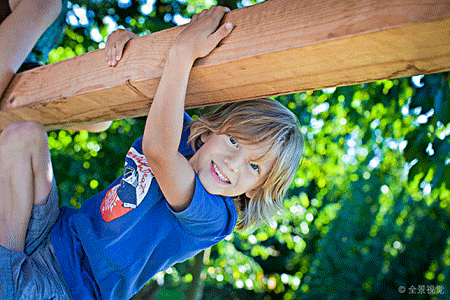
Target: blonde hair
261, 121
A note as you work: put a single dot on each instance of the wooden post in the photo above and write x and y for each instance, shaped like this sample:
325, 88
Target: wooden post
277, 47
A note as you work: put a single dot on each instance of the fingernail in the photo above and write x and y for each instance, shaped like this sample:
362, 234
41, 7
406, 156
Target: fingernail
227, 9
118, 57
228, 25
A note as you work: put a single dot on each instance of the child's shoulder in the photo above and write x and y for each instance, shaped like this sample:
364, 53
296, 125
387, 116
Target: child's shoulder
184, 147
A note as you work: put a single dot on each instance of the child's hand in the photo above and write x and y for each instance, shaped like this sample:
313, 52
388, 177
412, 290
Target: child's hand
201, 35
116, 43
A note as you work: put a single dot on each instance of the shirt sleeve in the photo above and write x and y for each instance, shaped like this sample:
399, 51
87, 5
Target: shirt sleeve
207, 214
184, 148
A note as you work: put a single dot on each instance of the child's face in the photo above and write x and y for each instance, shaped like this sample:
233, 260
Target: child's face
228, 168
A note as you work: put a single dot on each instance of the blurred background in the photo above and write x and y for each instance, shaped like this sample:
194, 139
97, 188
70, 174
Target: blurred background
367, 216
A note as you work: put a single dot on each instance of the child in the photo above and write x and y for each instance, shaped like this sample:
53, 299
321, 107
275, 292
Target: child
172, 201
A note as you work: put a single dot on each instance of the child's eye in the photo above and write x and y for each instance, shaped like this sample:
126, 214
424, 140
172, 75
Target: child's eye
254, 167
233, 141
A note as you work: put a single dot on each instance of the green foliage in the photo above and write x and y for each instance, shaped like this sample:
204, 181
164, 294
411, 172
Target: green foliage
367, 213
86, 163
170, 295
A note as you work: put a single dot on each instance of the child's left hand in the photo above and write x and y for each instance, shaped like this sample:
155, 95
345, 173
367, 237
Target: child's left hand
116, 43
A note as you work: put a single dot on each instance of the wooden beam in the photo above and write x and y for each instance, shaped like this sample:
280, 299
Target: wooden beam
277, 47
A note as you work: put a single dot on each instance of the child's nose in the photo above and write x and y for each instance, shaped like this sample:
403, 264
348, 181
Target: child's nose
233, 162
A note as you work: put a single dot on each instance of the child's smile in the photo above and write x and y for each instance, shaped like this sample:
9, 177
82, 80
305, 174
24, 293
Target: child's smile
215, 172
228, 168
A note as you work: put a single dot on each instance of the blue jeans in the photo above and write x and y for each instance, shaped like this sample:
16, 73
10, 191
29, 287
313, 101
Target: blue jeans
35, 273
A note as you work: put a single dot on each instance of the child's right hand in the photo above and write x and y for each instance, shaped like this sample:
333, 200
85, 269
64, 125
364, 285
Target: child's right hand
116, 43
201, 35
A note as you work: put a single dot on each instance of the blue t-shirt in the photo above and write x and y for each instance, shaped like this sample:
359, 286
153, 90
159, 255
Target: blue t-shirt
120, 238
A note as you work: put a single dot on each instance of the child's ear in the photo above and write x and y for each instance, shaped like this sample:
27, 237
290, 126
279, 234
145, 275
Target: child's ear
204, 137
250, 194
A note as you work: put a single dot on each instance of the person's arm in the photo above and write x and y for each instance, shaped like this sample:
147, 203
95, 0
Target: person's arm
163, 128
96, 127
20, 31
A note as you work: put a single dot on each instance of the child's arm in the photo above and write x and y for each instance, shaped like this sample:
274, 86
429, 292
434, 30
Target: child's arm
20, 31
96, 127
164, 125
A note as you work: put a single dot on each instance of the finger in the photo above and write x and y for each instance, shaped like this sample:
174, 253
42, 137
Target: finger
194, 17
222, 9
119, 50
113, 56
203, 13
211, 11
219, 14
108, 47
221, 33
108, 54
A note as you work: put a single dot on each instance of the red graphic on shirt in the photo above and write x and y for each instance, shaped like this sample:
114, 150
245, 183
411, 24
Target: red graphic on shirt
140, 160
132, 189
112, 207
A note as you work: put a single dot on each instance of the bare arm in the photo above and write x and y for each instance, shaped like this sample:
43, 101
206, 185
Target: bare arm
20, 31
97, 127
164, 124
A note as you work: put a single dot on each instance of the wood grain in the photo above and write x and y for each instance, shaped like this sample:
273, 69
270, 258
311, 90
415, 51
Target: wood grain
277, 47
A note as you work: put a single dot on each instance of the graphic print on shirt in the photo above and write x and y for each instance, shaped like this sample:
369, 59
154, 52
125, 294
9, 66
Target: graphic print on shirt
131, 190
